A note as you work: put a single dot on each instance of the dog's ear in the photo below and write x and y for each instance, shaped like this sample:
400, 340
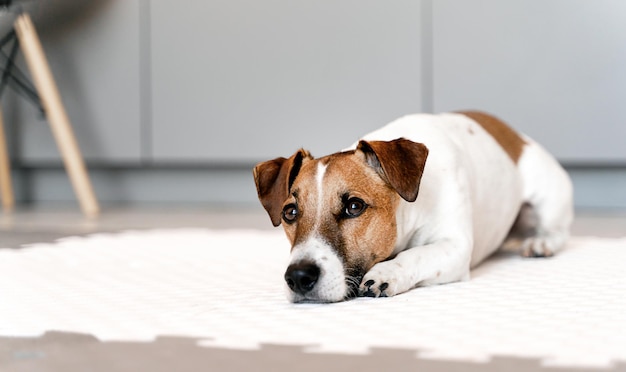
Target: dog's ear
399, 162
273, 180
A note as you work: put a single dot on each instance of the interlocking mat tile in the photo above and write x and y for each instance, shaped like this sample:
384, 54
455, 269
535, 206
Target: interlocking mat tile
224, 289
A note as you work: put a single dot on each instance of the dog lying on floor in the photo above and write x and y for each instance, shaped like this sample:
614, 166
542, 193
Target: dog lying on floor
418, 202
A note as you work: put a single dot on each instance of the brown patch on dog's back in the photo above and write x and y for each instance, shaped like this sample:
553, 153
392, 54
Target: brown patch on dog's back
510, 141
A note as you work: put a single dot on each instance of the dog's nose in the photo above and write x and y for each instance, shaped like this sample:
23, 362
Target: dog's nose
302, 276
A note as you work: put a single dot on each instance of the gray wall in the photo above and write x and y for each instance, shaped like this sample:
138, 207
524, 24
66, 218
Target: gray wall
176, 103
554, 69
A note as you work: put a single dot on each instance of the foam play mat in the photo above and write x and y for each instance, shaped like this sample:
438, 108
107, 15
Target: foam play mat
225, 290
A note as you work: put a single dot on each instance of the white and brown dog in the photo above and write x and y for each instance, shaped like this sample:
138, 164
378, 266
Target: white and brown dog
418, 202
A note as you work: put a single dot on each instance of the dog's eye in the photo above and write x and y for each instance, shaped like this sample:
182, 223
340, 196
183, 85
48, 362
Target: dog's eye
290, 213
354, 207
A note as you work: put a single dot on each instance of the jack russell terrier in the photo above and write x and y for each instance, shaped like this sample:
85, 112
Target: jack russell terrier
418, 202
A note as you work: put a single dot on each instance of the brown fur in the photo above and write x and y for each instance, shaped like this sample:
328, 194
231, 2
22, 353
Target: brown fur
401, 163
510, 141
379, 173
361, 241
273, 180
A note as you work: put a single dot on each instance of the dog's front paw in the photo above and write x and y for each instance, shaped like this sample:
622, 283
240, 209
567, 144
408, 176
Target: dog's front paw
380, 281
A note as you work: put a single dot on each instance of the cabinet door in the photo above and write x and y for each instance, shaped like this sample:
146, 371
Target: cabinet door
245, 80
94, 57
553, 69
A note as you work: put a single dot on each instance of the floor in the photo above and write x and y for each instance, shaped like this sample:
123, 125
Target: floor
58, 351
41, 224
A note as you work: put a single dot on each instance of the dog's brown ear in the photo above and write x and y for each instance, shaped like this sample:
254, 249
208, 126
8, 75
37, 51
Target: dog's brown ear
273, 180
400, 162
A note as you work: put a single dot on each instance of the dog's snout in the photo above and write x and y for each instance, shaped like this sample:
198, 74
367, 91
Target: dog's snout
302, 276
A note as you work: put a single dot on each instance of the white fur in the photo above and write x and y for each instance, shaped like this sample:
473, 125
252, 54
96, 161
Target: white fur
319, 178
331, 285
470, 194
548, 187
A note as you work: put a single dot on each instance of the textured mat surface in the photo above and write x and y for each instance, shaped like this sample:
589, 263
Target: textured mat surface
225, 288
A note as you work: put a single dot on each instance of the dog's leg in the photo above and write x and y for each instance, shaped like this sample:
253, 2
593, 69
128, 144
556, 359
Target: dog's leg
538, 232
542, 226
442, 262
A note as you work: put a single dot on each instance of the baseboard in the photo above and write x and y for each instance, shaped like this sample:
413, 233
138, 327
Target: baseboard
595, 187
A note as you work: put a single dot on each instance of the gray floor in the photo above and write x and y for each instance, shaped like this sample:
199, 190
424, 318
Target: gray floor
46, 223
58, 351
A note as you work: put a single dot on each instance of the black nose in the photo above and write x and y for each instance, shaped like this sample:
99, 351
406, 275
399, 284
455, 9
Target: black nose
302, 276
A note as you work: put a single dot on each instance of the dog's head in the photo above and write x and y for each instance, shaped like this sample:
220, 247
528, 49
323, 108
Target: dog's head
339, 212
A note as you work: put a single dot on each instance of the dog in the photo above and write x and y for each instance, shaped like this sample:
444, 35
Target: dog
420, 201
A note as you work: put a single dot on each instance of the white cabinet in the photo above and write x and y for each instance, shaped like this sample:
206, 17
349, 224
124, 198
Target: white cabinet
553, 69
244, 80
238, 81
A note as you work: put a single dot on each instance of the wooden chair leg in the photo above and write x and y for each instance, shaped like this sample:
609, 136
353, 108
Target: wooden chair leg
6, 189
55, 112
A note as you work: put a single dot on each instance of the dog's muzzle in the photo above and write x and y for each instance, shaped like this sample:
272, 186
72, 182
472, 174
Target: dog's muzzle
302, 276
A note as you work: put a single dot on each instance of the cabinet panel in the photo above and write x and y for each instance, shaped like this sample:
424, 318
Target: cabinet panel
241, 80
553, 69
95, 62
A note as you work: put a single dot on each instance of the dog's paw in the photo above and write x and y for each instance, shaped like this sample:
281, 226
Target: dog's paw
537, 247
380, 281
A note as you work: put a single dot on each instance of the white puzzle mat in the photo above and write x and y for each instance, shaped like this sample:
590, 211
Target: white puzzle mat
226, 288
